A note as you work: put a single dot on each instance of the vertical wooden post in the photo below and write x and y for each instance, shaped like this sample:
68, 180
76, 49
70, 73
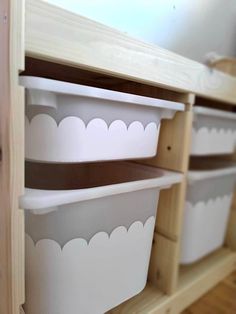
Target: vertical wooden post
231, 231
12, 157
174, 147
5, 217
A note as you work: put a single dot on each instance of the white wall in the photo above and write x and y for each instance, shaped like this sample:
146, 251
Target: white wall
189, 27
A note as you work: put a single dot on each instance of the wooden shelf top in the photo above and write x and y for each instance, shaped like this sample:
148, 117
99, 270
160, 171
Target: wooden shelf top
60, 36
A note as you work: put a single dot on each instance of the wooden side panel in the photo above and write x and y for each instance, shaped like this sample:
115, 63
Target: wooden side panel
164, 264
163, 270
16, 153
12, 158
231, 231
170, 211
173, 146
5, 218
173, 153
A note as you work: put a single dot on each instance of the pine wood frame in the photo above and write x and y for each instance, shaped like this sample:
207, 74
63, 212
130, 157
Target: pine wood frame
135, 67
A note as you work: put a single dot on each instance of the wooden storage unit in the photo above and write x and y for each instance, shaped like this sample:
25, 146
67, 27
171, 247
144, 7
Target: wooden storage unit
59, 44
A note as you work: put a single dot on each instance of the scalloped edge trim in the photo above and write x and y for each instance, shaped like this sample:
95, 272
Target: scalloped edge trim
218, 130
72, 140
88, 125
212, 141
209, 202
120, 229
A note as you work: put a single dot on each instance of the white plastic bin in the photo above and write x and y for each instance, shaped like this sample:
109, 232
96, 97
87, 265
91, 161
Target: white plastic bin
207, 207
214, 132
88, 250
66, 122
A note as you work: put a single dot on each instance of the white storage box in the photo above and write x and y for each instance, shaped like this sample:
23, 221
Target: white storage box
66, 122
214, 132
207, 207
88, 250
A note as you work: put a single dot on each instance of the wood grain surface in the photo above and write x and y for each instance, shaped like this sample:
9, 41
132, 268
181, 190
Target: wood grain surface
12, 157
61, 36
220, 300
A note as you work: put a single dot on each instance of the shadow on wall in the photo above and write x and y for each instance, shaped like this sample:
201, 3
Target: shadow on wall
189, 28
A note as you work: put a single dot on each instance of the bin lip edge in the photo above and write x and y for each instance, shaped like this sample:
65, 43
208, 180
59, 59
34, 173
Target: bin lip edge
199, 110
198, 175
61, 87
36, 199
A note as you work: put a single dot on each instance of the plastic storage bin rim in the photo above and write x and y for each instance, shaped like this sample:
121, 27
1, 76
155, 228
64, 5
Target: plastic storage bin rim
43, 201
197, 175
198, 110
61, 87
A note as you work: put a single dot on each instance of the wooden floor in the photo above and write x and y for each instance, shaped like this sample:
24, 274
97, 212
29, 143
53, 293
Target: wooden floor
220, 300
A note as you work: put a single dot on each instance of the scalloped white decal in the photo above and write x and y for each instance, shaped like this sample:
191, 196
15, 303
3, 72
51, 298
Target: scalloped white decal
204, 227
72, 141
212, 141
87, 278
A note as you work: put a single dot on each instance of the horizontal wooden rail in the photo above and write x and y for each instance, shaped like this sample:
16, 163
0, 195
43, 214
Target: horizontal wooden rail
60, 36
